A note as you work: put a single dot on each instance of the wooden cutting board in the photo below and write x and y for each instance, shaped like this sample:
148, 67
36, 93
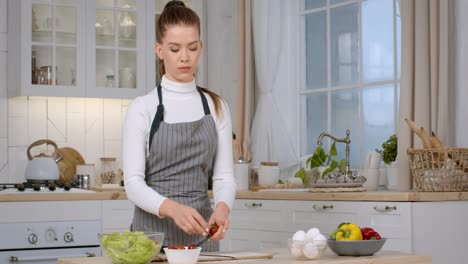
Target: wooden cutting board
223, 256
67, 166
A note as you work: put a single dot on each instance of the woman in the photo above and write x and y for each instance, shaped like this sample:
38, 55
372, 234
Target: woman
175, 138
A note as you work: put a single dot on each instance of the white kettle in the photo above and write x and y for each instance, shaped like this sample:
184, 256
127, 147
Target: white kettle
43, 167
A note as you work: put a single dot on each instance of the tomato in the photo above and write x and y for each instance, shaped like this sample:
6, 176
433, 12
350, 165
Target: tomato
192, 246
213, 229
181, 247
171, 247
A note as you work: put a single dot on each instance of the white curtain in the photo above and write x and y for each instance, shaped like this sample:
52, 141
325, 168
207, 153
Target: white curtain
270, 138
426, 83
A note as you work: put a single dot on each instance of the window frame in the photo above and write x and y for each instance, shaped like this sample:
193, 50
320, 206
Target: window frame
329, 89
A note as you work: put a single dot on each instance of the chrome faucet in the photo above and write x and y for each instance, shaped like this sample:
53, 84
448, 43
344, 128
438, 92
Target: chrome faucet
346, 140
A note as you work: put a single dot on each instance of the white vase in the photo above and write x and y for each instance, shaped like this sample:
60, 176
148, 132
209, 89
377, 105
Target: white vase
392, 176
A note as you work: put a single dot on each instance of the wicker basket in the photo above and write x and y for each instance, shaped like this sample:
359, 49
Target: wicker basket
439, 170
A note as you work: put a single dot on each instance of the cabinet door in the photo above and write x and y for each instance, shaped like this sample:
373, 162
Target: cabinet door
50, 42
324, 215
392, 220
116, 45
241, 239
117, 215
265, 215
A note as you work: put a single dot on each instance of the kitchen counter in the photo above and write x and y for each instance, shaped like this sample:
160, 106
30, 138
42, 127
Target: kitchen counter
282, 256
390, 196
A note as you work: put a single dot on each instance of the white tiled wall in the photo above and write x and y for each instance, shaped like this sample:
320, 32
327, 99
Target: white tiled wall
91, 126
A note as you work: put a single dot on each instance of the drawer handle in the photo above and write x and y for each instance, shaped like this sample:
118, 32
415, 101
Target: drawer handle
385, 209
323, 207
253, 205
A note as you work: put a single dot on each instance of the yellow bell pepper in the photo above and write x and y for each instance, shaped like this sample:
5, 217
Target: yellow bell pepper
347, 231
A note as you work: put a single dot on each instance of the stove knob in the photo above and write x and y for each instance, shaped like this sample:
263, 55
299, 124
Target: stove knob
50, 234
32, 239
68, 237
52, 187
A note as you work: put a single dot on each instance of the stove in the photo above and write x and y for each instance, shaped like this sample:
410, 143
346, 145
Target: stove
41, 187
42, 232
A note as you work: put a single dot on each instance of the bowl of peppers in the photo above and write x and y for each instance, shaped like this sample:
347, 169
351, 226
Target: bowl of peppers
349, 239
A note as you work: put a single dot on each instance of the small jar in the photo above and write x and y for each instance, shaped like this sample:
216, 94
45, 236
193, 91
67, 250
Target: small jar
109, 173
268, 174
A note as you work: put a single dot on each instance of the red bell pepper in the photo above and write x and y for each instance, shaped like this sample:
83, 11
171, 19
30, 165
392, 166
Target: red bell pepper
370, 234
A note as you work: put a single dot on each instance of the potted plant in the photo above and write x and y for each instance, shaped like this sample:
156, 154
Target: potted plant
321, 163
389, 153
389, 149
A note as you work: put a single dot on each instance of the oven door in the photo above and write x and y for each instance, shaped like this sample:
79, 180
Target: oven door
46, 256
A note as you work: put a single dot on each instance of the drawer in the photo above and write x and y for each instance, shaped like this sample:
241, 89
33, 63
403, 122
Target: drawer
264, 215
391, 220
324, 215
240, 239
117, 215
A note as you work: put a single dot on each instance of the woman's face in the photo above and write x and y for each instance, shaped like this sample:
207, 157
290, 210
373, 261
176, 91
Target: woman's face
180, 50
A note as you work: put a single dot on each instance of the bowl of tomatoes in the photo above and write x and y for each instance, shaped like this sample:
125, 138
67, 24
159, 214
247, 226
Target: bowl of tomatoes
182, 254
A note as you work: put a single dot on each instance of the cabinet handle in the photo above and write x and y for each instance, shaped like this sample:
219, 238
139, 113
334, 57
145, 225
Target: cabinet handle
253, 204
323, 207
385, 208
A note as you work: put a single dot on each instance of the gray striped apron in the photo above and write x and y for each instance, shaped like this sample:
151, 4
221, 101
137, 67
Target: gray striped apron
180, 161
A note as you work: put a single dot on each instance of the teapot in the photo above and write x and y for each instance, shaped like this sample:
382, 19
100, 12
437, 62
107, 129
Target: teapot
43, 167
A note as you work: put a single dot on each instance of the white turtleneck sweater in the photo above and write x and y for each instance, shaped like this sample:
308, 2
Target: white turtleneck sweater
181, 104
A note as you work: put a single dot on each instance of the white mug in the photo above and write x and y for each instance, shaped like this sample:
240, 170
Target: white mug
372, 179
268, 175
241, 174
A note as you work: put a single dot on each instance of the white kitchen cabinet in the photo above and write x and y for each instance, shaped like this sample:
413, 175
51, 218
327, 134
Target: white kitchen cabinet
117, 215
116, 35
392, 220
77, 48
269, 223
46, 48
439, 229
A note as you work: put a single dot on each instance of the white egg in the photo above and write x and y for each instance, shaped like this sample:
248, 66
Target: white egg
320, 240
299, 235
312, 233
310, 251
295, 251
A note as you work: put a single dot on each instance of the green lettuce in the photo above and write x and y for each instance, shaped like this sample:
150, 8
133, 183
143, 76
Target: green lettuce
129, 247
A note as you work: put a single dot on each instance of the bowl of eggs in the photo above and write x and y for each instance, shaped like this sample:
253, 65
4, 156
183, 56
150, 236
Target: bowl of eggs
307, 245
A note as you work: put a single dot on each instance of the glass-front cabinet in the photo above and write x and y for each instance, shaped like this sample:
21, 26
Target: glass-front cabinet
46, 47
116, 48
77, 48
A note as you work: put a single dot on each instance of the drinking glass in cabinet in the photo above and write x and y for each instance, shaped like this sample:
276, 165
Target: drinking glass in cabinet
127, 24
65, 25
127, 78
104, 28
41, 15
127, 4
66, 65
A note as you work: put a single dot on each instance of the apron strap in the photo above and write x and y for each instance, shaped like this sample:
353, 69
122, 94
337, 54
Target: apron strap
205, 103
158, 118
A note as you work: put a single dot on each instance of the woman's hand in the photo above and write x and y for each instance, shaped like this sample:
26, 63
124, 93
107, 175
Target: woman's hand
220, 217
185, 217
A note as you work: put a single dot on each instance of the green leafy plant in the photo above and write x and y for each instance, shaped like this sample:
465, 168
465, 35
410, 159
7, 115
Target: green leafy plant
389, 149
321, 159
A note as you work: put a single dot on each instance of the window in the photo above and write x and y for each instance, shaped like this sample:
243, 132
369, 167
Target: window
351, 72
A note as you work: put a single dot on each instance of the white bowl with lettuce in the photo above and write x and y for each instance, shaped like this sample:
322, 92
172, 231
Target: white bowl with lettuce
131, 247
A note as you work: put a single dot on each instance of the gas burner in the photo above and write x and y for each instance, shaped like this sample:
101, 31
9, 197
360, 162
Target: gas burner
43, 185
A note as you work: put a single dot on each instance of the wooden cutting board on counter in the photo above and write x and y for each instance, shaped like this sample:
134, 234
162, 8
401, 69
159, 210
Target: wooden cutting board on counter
67, 165
223, 256
204, 257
